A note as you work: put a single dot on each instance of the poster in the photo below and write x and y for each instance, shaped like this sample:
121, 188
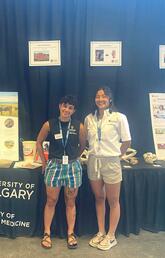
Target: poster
44, 53
9, 147
162, 56
105, 53
157, 107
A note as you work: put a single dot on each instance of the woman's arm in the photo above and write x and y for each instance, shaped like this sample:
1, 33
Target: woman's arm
82, 139
41, 137
124, 146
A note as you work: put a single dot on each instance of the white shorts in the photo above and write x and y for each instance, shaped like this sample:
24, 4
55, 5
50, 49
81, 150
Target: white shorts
106, 168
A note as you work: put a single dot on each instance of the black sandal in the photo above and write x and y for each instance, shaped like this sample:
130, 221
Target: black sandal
44, 240
72, 241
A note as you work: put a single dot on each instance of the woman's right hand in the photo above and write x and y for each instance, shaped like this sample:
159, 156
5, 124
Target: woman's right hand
43, 167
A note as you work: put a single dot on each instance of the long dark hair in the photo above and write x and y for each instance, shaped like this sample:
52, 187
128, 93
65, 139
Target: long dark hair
108, 93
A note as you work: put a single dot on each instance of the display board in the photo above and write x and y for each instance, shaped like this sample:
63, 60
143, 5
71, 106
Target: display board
9, 147
157, 107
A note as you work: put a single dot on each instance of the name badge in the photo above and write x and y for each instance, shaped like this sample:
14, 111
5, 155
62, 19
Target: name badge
58, 136
65, 160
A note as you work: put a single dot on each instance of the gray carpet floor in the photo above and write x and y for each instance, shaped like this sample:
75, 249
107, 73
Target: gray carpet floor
144, 245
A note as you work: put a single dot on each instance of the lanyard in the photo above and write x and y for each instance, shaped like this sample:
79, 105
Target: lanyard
99, 124
67, 134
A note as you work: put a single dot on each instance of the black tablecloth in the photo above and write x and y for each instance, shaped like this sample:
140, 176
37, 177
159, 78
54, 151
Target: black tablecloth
142, 203
19, 201
142, 199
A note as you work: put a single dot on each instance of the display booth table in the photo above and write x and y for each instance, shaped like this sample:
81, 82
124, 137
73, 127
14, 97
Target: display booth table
22, 200
19, 201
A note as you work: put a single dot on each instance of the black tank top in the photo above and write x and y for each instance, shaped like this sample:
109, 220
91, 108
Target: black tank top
56, 148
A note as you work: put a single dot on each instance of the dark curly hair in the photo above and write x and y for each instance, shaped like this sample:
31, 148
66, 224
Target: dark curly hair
69, 99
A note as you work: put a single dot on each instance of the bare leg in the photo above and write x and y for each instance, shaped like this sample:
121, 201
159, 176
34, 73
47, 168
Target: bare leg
113, 193
70, 197
99, 192
52, 198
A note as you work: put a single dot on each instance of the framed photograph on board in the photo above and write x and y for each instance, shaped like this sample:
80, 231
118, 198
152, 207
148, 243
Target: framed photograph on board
105, 53
44, 53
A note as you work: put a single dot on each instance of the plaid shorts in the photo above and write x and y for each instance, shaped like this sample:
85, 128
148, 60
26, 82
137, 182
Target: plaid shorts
57, 174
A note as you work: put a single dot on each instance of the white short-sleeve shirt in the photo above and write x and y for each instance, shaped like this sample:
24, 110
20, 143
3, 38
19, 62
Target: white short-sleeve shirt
114, 129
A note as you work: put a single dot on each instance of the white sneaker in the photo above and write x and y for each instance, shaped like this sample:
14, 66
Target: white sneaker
107, 243
96, 239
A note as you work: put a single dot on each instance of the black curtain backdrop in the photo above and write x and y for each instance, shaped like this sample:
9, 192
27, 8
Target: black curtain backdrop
139, 24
